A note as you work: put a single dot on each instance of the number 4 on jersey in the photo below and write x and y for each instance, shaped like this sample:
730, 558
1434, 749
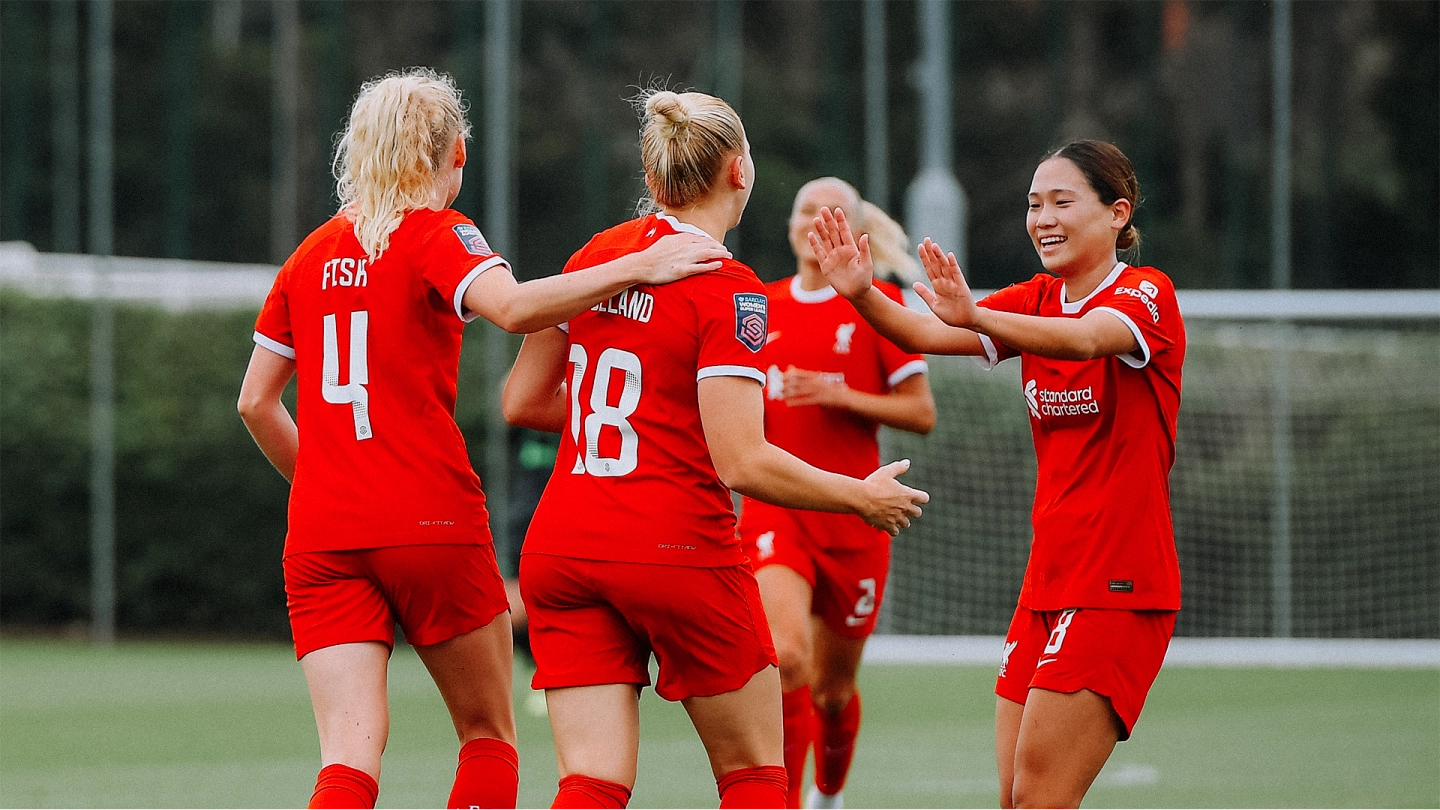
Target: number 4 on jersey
352, 393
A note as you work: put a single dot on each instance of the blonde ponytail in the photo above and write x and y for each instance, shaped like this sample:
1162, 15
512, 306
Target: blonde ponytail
393, 149
890, 248
684, 141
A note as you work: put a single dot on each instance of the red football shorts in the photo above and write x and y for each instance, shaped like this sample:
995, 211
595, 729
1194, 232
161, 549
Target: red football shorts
844, 559
595, 622
434, 592
1113, 653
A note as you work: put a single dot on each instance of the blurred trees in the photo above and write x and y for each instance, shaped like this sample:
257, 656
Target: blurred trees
1182, 86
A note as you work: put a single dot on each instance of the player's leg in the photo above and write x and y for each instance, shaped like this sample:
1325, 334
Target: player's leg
744, 741
473, 673
347, 691
597, 743
1007, 731
837, 710
1063, 743
786, 596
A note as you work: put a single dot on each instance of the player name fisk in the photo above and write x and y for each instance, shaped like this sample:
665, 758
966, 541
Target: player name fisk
634, 304
344, 273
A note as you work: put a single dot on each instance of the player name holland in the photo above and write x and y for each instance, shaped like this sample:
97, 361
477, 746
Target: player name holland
1062, 402
636, 305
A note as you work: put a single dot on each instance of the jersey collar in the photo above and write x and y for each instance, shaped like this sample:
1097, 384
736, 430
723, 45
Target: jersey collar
805, 296
682, 227
1069, 308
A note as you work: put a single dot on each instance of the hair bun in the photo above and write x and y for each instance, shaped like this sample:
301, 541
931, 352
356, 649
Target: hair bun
670, 111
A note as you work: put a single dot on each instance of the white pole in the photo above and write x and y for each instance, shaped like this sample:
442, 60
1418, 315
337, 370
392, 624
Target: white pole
935, 202
499, 197
102, 332
1281, 577
65, 87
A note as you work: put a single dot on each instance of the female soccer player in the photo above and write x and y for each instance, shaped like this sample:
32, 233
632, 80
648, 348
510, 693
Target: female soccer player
657, 394
1101, 344
387, 521
832, 381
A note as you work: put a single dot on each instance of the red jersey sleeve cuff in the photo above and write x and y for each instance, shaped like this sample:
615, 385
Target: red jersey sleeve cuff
991, 358
731, 371
275, 346
465, 315
1129, 358
906, 371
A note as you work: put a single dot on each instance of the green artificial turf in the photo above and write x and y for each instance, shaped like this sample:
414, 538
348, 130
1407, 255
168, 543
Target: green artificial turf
229, 725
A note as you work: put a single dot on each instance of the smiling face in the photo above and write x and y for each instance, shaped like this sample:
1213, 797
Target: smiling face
1072, 230
813, 196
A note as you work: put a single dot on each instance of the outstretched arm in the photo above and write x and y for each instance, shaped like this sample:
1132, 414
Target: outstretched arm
909, 406
534, 395
732, 410
264, 414
544, 302
847, 266
1095, 334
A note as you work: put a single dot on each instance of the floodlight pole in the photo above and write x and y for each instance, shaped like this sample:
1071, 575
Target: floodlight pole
102, 331
1282, 605
935, 202
285, 131
499, 198
877, 144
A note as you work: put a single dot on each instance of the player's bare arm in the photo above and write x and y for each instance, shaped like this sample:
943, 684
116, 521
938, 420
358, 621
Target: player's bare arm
264, 414
909, 406
847, 266
732, 413
1097, 334
546, 302
534, 395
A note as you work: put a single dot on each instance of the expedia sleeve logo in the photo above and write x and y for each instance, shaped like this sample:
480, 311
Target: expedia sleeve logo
473, 241
752, 313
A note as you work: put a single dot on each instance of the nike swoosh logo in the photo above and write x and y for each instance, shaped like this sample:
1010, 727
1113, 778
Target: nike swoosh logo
1043, 662
772, 336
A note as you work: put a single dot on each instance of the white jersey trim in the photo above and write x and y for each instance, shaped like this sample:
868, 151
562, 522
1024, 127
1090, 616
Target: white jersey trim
275, 346
991, 358
805, 296
564, 327
1130, 359
731, 371
906, 371
493, 261
683, 227
1071, 308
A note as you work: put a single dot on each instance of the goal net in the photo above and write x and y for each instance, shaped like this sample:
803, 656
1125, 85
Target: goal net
1305, 492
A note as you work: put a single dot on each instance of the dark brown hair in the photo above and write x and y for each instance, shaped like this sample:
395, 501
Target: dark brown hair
1110, 174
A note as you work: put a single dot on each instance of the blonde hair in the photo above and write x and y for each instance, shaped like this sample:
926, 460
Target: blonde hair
393, 149
890, 248
684, 141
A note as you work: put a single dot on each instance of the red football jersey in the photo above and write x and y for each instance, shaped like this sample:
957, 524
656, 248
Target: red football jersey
817, 330
1104, 433
376, 346
633, 480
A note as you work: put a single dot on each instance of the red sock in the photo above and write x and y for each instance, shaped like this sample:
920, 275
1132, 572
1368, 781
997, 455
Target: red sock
488, 775
582, 791
342, 786
761, 786
835, 745
799, 715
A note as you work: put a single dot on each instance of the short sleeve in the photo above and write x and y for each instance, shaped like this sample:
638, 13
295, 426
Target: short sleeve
454, 254
732, 316
897, 364
272, 327
1144, 299
1022, 298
